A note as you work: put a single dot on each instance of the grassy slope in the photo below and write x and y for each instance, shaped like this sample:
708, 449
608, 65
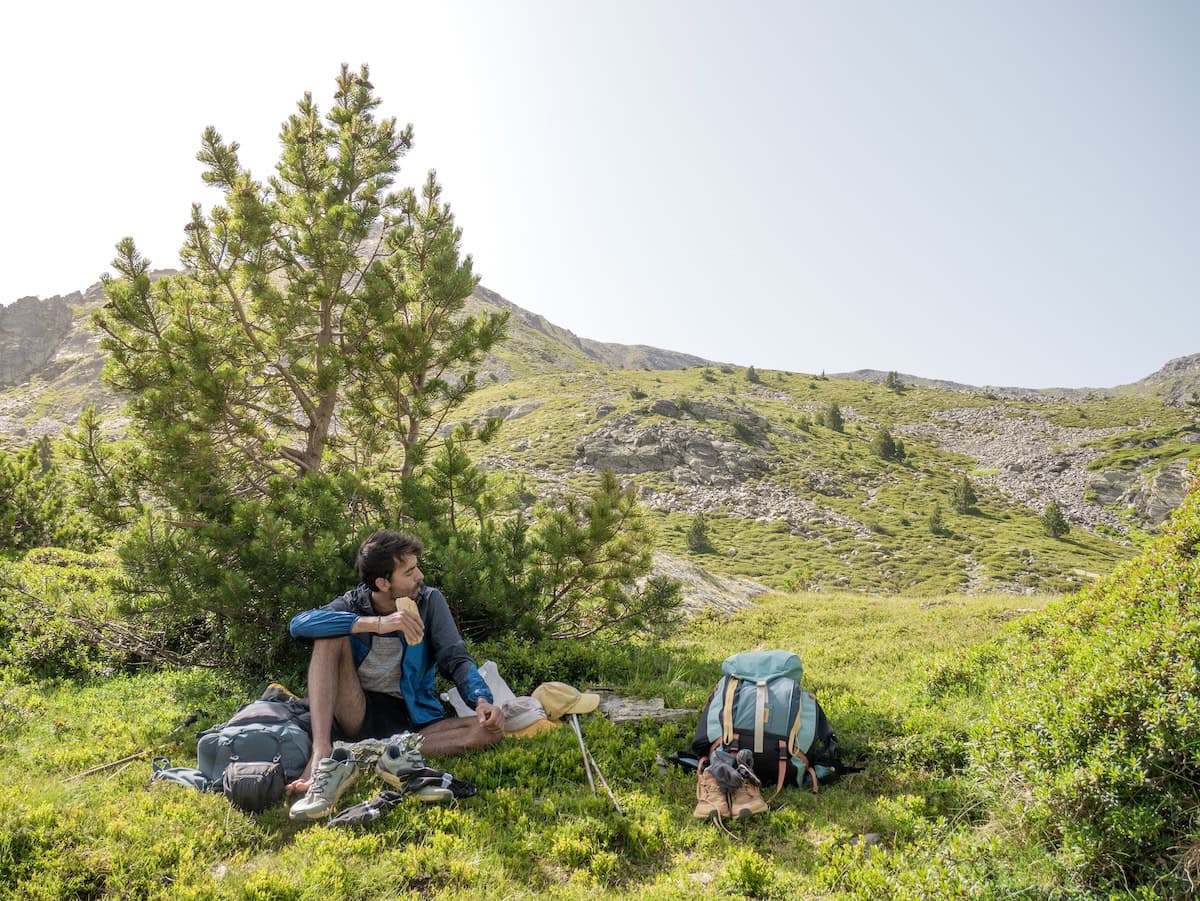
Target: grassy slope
535, 828
1001, 544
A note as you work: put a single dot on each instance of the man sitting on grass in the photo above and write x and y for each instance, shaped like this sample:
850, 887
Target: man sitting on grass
374, 652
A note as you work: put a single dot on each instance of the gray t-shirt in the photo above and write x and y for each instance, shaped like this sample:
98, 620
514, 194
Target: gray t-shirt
380, 670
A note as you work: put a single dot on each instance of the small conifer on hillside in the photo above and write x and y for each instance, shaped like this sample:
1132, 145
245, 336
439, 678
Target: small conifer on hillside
885, 446
752, 376
1054, 522
937, 524
965, 498
697, 537
833, 418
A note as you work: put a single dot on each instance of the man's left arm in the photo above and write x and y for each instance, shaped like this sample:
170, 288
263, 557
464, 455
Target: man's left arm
455, 662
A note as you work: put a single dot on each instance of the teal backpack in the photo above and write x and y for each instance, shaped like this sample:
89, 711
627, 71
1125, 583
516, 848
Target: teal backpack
277, 728
759, 704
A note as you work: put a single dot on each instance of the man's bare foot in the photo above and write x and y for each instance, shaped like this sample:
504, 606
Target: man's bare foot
304, 783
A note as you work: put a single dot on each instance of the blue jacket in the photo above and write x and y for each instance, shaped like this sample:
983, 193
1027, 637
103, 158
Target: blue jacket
441, 646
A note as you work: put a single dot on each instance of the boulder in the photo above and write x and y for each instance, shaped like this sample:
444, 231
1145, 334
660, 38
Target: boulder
1109, 486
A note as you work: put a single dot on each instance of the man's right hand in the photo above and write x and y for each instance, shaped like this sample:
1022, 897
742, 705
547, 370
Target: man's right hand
406, 620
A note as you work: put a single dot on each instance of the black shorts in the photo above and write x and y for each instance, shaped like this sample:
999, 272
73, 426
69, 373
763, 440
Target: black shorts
385, 716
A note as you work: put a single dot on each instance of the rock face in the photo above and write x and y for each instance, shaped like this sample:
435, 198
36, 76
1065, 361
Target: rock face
691, 457
1151, 494
30, 332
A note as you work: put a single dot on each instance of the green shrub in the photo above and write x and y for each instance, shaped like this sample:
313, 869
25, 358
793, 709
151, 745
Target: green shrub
749, 873
1096, 725
886, 447
744, 432
35, 508
56, 610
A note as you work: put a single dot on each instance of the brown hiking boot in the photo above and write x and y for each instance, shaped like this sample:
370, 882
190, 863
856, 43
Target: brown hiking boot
710, 800
747, 800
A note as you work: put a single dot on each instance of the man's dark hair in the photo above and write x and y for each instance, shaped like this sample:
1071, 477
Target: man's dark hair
377, 556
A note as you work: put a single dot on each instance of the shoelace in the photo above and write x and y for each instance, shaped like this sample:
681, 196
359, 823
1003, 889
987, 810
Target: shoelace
322, 776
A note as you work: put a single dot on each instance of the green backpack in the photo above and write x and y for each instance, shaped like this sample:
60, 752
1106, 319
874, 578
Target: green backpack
759, 704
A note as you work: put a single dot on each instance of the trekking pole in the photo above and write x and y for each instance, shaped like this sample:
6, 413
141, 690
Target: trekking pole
604, 782
587, 768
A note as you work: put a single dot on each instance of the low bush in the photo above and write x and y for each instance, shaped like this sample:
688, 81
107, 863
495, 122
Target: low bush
57, 616
1095, 730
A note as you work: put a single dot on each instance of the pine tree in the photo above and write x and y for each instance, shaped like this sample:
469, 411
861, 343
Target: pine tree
752, 376
937, 524
296, 374
885, 446
1053, 521
964, 496
892, 382
833, 417
697, 537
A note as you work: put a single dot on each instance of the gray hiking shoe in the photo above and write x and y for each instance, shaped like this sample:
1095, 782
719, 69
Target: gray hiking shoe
330, 779
400, 759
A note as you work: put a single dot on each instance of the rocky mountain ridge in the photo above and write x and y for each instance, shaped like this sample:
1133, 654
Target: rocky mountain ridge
792, 502
50, 358
1177, 383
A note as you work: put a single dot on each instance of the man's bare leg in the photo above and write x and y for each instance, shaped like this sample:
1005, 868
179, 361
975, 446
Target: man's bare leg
333, 692
453, 736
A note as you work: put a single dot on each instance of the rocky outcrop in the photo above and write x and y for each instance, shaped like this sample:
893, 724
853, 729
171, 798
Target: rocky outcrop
507, 412
1178, 382
702, 591
1152, 493
690, 456
683, 408
31, 331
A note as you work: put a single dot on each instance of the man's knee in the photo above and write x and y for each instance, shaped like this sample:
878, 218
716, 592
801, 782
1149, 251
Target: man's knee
331, 647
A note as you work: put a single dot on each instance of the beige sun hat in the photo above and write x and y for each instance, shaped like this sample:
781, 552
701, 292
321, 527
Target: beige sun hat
520, 713
560, 699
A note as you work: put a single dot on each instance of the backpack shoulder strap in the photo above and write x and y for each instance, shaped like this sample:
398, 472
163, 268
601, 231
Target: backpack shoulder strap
183, 775
731, 684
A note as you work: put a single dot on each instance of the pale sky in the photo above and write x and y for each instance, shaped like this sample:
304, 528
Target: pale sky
995, 193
